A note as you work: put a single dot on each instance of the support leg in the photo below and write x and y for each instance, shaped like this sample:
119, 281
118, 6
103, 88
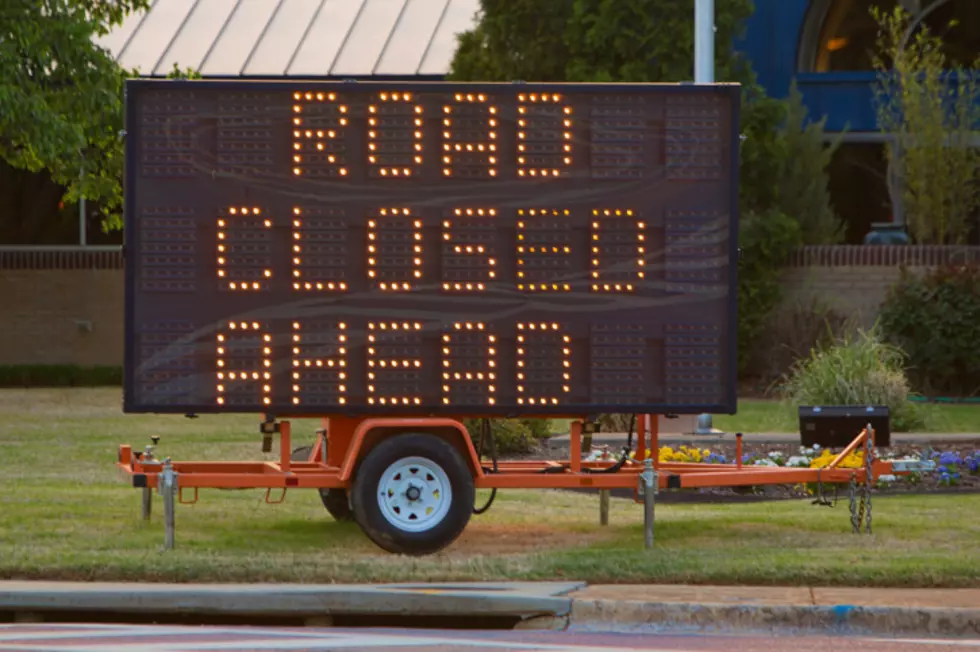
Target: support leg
147, 503
603, 507
650, 485
653, 421
168, 487
641, 437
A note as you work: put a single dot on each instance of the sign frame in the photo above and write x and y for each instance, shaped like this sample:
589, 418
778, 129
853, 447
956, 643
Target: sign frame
134, 87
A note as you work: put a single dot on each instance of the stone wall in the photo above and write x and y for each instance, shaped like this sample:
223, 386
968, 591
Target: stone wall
67, 307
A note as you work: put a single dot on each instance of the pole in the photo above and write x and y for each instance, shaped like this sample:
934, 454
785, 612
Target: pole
704, 41
82, 240
704, 73
603, 507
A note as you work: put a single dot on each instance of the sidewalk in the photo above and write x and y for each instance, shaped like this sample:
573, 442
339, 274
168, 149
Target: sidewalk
785, 596
530, 605
883, 612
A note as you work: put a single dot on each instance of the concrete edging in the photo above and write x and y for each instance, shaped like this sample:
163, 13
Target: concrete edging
530, 601
929, 621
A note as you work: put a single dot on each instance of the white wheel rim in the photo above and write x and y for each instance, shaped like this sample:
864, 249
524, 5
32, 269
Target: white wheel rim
414, 494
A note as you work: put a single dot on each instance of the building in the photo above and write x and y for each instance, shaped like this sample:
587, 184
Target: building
823, 44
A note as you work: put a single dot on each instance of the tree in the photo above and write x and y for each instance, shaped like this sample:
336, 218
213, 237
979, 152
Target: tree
803, 182
593, 40
61, 99
652, 41
932, 117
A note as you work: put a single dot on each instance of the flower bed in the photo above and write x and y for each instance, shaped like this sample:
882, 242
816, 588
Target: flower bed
958, 464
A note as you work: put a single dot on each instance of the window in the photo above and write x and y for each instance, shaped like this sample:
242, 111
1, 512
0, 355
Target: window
841, 34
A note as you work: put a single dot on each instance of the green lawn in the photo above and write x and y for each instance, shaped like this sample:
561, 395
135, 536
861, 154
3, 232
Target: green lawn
67, 514
773, 416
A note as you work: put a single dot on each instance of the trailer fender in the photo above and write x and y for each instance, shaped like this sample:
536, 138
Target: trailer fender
369, 432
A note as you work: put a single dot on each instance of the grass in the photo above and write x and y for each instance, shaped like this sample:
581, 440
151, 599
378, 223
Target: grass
67, 514
774, 416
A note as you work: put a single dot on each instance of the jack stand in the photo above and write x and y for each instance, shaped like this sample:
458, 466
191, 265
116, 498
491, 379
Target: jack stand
168, 487
603, 507
649, 483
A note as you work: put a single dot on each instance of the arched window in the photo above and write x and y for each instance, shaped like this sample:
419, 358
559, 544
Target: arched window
840, 35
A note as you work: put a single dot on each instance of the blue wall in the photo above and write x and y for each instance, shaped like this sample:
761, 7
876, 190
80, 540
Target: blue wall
771, 42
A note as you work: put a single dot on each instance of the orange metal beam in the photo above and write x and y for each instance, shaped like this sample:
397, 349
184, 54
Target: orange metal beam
847, 451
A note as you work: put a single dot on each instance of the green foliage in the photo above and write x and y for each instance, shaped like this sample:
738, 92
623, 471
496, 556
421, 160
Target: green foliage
859, 369
932, 117
59, 376
803, 191
511, 436
61, 95
766, 240
592, 40
935, 318
783, 164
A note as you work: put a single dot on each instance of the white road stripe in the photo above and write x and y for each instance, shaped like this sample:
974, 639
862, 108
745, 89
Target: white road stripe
930, 641
332, 642
116, 631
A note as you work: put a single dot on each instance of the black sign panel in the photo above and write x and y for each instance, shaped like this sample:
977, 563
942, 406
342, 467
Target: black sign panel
317, 248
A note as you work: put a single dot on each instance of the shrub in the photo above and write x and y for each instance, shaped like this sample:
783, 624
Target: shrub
59, 376
935, 319
859, 369
616, 422
510, 436
791, 333
767, 240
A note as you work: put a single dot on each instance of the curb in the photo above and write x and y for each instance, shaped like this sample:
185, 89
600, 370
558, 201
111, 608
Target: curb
531, 605
879, 621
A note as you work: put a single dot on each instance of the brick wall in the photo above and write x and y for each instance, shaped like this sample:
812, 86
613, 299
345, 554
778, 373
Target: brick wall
51, 298
61, 308
855, 279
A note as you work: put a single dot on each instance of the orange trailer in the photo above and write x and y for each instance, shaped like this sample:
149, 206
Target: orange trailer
393, 257
410, 483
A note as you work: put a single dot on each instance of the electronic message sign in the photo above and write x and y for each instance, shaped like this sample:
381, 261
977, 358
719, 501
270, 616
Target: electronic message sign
362, 248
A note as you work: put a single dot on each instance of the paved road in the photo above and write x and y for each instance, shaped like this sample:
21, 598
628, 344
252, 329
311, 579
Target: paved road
141, 638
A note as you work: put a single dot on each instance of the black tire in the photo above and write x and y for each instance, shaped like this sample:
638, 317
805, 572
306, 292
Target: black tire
335, 500
438, 458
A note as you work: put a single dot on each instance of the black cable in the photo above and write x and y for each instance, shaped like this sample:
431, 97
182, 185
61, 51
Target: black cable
615, 468
626, 452
629, 437
486, 432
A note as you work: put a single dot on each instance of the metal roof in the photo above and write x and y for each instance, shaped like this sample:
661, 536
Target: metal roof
230, 38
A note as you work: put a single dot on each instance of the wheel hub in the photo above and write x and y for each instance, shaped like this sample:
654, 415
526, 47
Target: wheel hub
414, 494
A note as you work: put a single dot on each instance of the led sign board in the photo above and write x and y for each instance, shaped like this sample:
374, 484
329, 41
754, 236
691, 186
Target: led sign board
316, 248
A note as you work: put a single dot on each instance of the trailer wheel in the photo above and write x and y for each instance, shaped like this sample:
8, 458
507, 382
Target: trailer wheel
413, 494
335, 500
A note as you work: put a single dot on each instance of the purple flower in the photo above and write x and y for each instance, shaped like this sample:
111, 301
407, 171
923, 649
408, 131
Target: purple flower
973, 462
948, 459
